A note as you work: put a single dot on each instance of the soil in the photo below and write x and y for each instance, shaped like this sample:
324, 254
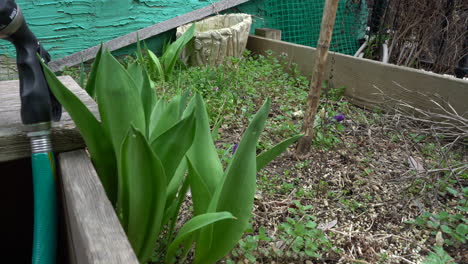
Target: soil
362, 193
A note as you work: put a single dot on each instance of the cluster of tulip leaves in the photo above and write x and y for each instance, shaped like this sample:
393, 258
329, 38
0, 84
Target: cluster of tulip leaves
149, 151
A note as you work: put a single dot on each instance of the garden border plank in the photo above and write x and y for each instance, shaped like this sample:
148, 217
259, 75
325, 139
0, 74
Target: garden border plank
14, 143
94, 233
365, 80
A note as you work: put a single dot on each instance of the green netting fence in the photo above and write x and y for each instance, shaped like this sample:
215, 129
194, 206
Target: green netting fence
300, 22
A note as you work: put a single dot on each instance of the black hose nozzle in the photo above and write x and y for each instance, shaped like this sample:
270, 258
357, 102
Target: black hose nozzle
38, 105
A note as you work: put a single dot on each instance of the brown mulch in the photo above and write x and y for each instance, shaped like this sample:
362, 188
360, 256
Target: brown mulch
370, 168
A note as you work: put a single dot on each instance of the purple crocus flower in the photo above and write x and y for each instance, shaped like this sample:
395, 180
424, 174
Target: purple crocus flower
234, 148
339, 117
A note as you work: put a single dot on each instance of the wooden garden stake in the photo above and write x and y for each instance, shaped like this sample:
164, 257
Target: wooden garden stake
326, 31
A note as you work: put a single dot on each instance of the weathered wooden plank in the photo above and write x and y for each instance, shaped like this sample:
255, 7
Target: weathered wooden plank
365, 80
14, 144
8, 70
95, 235
144, 33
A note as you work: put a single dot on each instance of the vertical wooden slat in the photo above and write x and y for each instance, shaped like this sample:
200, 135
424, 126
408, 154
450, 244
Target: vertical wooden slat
95, 235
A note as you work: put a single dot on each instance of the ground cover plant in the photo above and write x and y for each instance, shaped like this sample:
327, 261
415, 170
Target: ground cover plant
377, 187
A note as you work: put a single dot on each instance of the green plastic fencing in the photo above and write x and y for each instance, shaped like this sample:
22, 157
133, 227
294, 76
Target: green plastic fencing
300, 22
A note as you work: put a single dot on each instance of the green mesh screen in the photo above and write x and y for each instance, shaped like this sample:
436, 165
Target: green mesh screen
300, 22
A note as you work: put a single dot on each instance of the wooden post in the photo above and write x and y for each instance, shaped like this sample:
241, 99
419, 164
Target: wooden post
326, 32
268, 33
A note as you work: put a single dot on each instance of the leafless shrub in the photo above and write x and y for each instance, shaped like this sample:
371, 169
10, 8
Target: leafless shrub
441, 120
446, 128
427, 34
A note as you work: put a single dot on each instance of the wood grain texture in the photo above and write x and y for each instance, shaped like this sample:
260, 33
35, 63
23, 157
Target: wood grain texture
365, 80
144, 33
8, 69
320, 67
14, 144
95, 235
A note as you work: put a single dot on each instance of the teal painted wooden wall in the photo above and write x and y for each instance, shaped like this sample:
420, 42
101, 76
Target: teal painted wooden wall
68, 26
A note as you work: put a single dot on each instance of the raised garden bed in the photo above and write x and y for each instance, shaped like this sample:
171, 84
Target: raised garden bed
369, 175
89, 231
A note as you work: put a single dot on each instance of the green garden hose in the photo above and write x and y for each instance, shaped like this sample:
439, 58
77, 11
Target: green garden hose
45, 208
38, 108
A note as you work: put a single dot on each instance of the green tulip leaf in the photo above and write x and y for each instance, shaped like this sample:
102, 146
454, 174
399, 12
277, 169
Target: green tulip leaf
173, 214
201, 194
136, 73
203, 158
118, 100
266, 157
91, 84
192, 226
172, 207
139, 52
142, 193
164, 116
235, 194
155, 65
148, 98
145, 89
176, 180
156, 114
171, 55
172, 145
94, 135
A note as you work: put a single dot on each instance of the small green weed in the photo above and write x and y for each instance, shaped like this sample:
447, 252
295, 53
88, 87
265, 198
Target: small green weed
301, 236
453, 224
252, 246
417, 137
329, 126
298, 238
235, 89
350, 204
438, 256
